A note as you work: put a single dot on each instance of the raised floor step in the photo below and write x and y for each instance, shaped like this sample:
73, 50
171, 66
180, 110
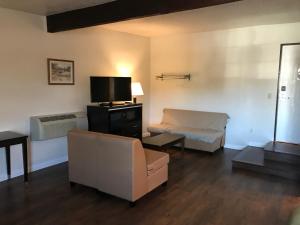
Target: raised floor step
252, 158
282, 152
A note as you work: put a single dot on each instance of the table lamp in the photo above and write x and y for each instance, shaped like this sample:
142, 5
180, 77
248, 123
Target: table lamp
137, 90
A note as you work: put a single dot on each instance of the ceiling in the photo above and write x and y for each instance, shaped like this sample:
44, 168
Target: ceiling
49, 7
227, 16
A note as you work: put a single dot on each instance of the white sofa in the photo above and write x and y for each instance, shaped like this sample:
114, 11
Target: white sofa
116, 165
203, 130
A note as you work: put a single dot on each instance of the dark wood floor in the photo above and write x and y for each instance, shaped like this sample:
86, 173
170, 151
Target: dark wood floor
202, 190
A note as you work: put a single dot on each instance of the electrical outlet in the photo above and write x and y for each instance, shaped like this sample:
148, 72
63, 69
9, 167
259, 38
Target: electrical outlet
269, 95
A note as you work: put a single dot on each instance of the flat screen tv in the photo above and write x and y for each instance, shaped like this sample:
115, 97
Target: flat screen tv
110, 89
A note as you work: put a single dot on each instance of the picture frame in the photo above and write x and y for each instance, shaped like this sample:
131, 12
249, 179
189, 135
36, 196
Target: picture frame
60, 72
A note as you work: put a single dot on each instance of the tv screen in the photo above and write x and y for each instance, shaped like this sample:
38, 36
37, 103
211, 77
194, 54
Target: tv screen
109, 89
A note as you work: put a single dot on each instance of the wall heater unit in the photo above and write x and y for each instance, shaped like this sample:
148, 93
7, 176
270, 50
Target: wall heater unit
51, 126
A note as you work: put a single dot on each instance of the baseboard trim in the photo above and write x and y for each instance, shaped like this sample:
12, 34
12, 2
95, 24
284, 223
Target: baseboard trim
234, 147
3, 178
257, 144
35, 167
49, 163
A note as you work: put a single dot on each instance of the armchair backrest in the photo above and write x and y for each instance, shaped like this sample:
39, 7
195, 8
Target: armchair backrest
110, 163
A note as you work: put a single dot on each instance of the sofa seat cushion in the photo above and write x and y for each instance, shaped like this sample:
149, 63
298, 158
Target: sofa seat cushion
198, 134
155, 160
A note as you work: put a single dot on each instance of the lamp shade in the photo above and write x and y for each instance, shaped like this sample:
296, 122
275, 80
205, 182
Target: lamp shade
136, 89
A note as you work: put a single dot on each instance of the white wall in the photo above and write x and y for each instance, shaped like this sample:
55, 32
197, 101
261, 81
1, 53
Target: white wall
24, 92
233, 71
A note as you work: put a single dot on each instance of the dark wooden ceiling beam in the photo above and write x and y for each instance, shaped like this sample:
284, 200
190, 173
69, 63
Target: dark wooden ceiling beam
122, 10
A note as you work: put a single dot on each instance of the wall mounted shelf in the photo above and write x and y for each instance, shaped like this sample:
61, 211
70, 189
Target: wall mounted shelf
174, 77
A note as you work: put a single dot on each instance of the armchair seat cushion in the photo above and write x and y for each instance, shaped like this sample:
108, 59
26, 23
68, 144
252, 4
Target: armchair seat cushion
155, 160
295, 220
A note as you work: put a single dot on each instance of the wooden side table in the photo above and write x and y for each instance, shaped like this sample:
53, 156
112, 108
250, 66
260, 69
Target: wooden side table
8, 138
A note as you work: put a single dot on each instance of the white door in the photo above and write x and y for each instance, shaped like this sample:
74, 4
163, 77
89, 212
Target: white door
288, 116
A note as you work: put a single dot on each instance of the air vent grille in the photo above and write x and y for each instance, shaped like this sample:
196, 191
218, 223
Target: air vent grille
55, 118
51, 126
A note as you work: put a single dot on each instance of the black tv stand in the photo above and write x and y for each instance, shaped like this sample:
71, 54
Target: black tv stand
111, 104
124, 120
102, 104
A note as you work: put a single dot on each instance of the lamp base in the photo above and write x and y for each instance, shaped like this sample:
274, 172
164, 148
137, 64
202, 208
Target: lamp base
134, 100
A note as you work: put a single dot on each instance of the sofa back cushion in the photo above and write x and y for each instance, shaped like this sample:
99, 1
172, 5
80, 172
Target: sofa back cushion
195, 119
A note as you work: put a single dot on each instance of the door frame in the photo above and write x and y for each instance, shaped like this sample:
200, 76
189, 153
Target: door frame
278, 86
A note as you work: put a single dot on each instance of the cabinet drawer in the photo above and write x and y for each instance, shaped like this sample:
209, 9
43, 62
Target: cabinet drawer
124, 121
125, 116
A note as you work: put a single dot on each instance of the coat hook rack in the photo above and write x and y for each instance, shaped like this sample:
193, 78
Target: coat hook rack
174, 77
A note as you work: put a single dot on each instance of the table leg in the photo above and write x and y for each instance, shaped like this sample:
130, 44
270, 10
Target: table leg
7, 153
182, 146
25, 161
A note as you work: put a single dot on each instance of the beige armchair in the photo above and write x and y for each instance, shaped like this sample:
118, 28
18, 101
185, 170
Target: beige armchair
116, 165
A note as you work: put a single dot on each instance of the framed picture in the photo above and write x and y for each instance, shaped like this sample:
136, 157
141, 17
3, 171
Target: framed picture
60, 72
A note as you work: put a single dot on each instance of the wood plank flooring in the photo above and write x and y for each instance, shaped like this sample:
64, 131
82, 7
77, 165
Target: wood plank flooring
202, 190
